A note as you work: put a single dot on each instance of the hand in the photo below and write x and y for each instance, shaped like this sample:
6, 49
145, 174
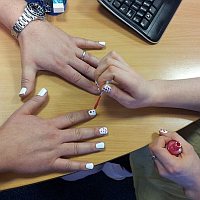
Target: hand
45, 47
127, 87
184, 169
30, 144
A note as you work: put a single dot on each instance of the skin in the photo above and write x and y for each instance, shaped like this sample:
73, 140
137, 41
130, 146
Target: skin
44, 145
45, 47
184, 169
132, 91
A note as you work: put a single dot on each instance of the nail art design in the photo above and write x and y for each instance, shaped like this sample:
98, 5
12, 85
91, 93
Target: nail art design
100, 145
103, 131
102, 44
42, 92
89, 166
163, 131
92, 113
106, 88
23, 91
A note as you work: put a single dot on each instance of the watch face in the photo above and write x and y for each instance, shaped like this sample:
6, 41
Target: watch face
36, 10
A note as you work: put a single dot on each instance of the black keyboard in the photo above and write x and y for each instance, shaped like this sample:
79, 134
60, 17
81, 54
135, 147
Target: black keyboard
149, 18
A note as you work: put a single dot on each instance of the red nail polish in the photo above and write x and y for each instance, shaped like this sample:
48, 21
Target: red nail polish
174, 147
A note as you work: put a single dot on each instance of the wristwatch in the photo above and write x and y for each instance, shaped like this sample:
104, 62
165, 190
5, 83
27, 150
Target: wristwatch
32, 11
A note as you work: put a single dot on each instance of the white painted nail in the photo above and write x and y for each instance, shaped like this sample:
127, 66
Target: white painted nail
42, 92
106, 88
100, 145
89, 166
163, 131
103, 131
23, 91
92, 113
102, 44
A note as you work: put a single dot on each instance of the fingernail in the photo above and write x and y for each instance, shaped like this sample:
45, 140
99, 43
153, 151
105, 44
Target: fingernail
103, 131
42, 92
23, 91
102, 44
100, 145
89, 166
106, 88
92, 113
163, 131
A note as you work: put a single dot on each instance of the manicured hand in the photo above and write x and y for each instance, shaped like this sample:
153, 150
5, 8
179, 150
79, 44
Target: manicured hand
45, 47
183, 169
127, 87
30, 144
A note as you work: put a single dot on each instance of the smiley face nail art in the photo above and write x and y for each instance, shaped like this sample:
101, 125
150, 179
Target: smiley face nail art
103, 131
106, 88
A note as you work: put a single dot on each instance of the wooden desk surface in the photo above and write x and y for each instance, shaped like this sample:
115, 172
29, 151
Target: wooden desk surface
176, 56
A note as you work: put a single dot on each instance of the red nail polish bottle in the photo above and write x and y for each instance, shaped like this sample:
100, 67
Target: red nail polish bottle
174, 147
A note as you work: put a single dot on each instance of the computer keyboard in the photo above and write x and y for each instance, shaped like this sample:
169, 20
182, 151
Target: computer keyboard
149, 18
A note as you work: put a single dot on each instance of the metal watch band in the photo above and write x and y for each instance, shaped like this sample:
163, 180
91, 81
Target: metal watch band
22, 22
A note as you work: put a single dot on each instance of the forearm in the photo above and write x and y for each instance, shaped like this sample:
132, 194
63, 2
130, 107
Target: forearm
177, 93
10, 11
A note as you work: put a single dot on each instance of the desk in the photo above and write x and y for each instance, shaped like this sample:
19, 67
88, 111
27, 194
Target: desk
177, 56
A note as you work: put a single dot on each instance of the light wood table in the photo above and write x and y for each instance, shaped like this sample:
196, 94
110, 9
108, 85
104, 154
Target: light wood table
176, 56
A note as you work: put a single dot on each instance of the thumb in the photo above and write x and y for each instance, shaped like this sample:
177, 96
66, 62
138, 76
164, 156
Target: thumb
27, 81
33, 105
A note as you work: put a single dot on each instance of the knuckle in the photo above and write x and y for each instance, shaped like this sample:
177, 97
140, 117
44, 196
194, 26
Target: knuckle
71, 118
68, 165
77, 134
87, 69
35, 99
111, 69
76, 77
76, 148
113, 54
25, 81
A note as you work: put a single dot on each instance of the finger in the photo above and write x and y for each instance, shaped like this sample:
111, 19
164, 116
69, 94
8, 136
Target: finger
66, 165
27, 80
82, 67
75, 149
71, 75
161, 168
88, 58
158, 149
73, 118
33, 105
119, 95
88, 44
80, 134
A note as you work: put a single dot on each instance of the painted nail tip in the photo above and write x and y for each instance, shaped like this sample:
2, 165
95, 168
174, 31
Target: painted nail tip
23, 91
103, 131
102, 43
92, 112
42, 92
89, 166
100, 145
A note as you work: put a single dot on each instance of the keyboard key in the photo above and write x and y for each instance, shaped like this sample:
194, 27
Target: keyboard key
136, 19
147, 3
124, 8
130, 13
144, 8
149, 16
157, 3
140, 13
144, 23
135, 6
128, 2
117, 4
140, 2
152, 10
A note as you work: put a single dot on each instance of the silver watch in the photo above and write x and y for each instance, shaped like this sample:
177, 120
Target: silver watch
33, 11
